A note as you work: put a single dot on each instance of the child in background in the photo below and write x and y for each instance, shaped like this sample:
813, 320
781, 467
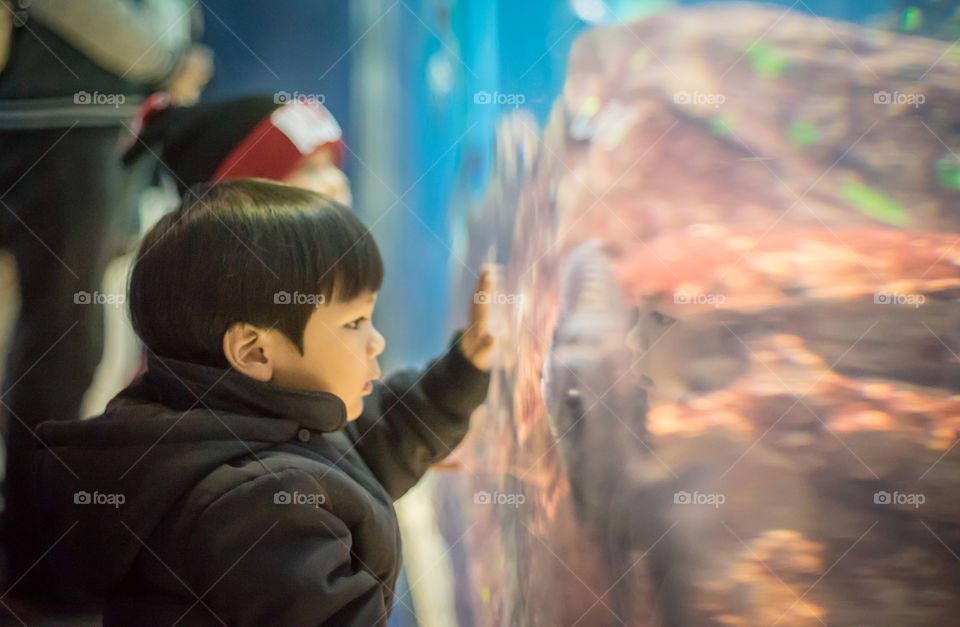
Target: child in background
297, 142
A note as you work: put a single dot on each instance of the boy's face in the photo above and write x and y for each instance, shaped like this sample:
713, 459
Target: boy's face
340, 349
319, 173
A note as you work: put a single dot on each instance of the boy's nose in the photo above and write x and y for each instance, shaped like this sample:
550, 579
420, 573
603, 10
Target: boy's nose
377, 344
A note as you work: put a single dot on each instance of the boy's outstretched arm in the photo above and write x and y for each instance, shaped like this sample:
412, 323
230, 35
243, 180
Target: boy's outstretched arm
415, 419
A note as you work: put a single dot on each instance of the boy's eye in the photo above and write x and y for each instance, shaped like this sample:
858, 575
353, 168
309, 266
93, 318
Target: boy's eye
356, 323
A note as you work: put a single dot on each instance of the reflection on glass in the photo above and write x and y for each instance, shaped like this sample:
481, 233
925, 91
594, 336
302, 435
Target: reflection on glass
731, 394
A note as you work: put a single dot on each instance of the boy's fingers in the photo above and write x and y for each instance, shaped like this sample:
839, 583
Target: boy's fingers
488, 273
479, 353
478, 325
477, 341
485, 279
480, 309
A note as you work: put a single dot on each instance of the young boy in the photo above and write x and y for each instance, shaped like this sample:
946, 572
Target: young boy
244, 479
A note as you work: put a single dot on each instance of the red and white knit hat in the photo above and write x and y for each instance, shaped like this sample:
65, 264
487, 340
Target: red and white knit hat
279, 143
247, 137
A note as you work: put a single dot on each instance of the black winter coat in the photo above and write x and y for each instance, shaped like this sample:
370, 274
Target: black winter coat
205, 497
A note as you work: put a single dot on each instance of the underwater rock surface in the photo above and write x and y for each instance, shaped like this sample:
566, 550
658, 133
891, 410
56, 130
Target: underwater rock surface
730, 393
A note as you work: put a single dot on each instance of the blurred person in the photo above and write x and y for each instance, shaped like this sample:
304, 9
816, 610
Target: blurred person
72, 75
296, 141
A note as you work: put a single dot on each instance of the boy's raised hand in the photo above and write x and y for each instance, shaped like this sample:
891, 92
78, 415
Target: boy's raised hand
477, 341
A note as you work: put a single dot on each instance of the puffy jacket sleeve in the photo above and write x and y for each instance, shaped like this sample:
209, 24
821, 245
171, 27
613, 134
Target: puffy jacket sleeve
259, 559
415, 419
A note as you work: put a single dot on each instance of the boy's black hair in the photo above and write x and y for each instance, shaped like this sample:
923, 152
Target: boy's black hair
247, 250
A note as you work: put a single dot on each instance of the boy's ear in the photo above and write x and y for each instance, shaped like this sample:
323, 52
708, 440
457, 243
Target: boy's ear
245, 347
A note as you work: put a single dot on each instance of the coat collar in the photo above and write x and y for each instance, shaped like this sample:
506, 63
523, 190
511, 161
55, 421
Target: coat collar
181, 383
